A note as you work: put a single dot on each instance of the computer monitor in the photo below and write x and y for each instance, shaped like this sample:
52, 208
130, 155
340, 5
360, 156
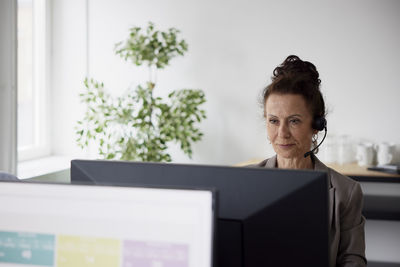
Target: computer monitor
67, 225
266, 217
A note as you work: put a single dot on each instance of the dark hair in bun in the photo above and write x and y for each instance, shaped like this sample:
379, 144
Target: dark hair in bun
295, 76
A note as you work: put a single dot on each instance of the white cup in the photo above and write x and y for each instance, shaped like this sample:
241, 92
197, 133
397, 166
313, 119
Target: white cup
345, 150
385, 153
365, 154
330, 149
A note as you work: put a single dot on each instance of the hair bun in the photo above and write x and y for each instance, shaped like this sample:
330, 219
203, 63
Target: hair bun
295, 76
294, 66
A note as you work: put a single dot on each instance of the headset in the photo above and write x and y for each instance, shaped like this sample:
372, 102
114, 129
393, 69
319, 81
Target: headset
319, 123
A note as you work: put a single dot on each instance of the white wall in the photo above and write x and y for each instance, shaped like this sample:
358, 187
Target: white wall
233, 48
68, 64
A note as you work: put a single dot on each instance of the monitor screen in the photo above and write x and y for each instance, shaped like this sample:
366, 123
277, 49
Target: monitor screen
85, 225
266, 217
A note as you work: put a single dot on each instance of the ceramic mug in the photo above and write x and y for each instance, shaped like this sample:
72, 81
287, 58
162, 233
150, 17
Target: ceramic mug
384, 153
345, 150
330, 149
365, 154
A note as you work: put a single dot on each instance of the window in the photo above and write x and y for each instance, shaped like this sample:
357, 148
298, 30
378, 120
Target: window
33, 136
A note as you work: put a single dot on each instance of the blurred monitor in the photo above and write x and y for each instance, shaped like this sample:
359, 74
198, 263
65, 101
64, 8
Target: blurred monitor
85, 225
266, 217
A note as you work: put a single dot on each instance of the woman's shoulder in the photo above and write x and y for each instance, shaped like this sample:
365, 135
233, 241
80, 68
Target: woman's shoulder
262, 163
266, 163
339, 180
343, 184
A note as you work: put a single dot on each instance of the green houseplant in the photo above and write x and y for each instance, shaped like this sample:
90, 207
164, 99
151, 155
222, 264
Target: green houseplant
137, 125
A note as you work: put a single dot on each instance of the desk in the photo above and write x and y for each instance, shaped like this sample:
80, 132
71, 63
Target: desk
362, 174
358, 173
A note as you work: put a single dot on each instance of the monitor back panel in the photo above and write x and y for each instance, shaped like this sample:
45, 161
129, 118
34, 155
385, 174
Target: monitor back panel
263, 214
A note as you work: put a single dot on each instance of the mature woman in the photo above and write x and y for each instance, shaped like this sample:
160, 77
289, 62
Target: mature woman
294, 110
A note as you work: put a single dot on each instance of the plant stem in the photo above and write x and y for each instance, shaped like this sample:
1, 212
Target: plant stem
151, 86
150, 74
153, 74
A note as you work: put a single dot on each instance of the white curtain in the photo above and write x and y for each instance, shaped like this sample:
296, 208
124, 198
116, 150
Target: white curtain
8, 86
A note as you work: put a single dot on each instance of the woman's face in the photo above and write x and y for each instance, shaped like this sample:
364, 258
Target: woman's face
289, 124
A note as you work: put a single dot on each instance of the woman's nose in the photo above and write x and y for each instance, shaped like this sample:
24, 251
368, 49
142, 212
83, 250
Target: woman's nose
284, 131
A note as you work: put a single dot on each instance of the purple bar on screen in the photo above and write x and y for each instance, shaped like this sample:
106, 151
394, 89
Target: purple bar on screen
152, 254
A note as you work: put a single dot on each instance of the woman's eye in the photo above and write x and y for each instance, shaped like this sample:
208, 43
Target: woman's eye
295, 121
272, 121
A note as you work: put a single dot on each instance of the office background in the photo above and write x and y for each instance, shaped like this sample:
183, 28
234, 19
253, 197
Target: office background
233, 48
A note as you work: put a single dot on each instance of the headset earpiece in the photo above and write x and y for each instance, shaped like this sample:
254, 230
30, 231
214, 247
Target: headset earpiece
319, 123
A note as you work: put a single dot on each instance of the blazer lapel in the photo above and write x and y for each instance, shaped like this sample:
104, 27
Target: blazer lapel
331, 205
319, 166
271, 162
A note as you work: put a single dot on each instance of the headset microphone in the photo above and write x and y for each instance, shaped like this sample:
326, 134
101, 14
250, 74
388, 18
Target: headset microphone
319, 124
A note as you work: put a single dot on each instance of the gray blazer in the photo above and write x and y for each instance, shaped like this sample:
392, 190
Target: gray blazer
347, 241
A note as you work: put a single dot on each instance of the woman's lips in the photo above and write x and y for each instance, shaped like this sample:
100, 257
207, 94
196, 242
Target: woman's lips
286, 145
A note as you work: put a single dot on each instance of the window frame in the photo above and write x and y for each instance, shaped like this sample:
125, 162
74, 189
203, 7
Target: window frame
40, 83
